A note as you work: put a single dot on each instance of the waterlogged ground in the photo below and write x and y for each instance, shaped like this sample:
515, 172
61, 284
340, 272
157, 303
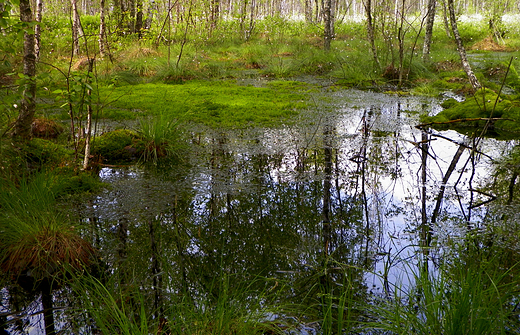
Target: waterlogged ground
338, 192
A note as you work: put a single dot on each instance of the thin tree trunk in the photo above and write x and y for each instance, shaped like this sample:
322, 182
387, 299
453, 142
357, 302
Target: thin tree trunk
139, 18
445, 19
371, 32
445, 179
251, 20
308, 11
425, 227
215, 14
327, 184
22, 127
430, 18
131, 17
102, 30
89, 118
460, 47
327, 21
77, 32
37, 29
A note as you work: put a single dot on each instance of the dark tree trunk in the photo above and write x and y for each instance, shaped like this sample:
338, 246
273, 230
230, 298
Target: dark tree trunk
425, 226
215, 13
138, 28
22, 126
430, 18
371, 32
327, 185
460, 47
48, 314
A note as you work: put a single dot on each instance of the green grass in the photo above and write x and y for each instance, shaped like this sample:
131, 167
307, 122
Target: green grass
457, 299
36, 240
236, 310
161, 138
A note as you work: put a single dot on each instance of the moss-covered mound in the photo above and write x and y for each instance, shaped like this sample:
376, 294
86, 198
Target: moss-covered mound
117, 146
501, 114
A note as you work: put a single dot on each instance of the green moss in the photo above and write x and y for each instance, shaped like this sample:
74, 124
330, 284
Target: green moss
115, 146
216, 103
474, 111
44, 152
68, 182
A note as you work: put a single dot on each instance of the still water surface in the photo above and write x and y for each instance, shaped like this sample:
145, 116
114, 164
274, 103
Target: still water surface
255, 202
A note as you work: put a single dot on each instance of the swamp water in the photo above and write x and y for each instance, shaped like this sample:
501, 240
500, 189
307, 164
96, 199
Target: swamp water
333, 201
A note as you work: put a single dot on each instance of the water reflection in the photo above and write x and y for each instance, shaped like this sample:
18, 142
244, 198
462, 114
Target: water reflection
345, 195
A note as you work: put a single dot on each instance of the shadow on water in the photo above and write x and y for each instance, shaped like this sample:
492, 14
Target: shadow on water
338, 204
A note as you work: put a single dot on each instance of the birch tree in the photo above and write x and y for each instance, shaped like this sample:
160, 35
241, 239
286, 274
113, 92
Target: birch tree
38, 28
102, 30
460, 47
430, 18
22, 126
328, 22
77, 30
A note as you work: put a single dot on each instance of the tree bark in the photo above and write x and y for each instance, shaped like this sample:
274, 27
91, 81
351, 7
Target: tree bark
445, 19
370, 31
38, 28
139, 18
328, 24
102, 30
215, 14
460, 47
308, 11
77, 31
22, 126
89, 117
430, 19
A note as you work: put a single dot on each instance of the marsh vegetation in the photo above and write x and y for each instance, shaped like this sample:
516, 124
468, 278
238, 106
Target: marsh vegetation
259, 167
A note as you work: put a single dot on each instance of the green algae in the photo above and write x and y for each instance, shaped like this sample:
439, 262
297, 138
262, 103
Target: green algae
213, 103
499, 114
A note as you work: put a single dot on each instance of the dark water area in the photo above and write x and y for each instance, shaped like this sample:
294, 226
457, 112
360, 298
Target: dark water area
337, 195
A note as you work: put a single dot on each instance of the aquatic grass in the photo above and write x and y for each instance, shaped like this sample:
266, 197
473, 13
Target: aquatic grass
111, 312
236, 310
161, 137
466, 301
